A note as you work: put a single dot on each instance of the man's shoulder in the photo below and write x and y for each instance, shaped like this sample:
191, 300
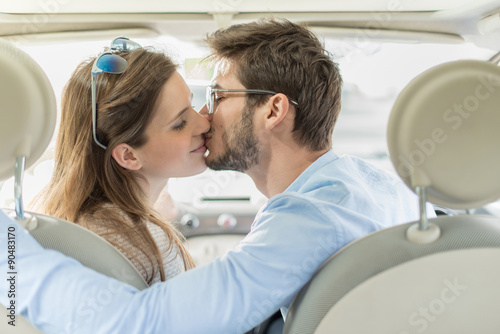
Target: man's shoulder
336, 178
345, 189
300, 208
346, 174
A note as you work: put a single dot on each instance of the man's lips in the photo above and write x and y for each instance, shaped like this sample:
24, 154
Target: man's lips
207, 135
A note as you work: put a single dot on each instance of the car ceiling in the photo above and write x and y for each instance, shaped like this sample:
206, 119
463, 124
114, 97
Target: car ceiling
443, 21
203, 6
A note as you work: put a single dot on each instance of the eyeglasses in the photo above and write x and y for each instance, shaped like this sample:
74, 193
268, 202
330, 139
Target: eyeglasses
212, 98
109, 62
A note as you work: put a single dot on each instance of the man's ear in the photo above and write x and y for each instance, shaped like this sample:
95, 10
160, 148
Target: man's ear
126, 157
279, 109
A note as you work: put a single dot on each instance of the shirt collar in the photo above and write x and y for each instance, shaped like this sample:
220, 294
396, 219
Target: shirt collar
323, 160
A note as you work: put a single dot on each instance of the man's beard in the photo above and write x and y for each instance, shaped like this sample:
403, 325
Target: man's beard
241, 147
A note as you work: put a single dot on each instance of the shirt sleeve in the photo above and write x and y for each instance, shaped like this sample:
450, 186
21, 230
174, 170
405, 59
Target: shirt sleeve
288, 241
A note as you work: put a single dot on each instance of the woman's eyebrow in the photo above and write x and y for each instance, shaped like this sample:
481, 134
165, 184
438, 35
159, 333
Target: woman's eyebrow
178, 115
182, 111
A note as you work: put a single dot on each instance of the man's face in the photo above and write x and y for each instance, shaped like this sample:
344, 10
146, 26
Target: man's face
231, 140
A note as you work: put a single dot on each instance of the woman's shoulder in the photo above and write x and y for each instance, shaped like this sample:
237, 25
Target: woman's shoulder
104, 218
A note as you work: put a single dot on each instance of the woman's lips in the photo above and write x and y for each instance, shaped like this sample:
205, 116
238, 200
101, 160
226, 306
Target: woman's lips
200, 149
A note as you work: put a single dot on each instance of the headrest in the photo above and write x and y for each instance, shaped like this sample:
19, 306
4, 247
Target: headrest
28, 109
443, 133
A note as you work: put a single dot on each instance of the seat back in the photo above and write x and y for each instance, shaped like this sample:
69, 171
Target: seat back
431, 276
27, 122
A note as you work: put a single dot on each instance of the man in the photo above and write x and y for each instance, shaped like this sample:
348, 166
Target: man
273, 106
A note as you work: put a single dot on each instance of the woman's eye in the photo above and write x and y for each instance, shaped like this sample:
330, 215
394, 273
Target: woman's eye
181, 125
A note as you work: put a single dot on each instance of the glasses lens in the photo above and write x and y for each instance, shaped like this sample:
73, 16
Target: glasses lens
124, 44
112, 63
208, 98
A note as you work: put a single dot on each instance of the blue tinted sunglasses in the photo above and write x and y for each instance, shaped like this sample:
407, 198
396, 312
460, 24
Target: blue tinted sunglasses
109, 62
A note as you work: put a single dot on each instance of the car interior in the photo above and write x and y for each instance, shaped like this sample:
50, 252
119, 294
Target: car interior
406, 65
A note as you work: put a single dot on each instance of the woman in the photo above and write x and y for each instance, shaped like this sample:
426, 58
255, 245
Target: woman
146, 131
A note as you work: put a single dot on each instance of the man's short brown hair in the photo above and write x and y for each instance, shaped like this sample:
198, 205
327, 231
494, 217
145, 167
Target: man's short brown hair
281, 56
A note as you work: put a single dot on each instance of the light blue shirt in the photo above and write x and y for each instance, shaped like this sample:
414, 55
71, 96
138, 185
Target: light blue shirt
335, 201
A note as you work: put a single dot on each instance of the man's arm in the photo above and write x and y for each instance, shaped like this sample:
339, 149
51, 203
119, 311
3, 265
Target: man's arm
230, 295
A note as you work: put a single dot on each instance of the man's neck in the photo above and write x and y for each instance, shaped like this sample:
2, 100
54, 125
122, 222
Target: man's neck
277, 171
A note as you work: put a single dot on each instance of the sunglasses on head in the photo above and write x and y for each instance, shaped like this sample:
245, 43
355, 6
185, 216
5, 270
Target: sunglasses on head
109, 62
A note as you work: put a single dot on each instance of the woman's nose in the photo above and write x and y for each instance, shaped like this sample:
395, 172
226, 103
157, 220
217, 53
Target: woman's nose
203, 123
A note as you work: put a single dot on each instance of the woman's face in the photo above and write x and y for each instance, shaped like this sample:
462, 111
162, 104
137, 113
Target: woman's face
175, 145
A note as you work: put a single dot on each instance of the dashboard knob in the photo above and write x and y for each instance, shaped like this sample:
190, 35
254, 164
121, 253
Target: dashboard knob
190, 220
227, 221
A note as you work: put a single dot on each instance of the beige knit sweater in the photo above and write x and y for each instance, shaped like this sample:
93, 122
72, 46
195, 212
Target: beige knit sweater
172, 260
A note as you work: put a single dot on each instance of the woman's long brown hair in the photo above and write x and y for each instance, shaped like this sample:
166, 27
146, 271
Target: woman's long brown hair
86, 177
